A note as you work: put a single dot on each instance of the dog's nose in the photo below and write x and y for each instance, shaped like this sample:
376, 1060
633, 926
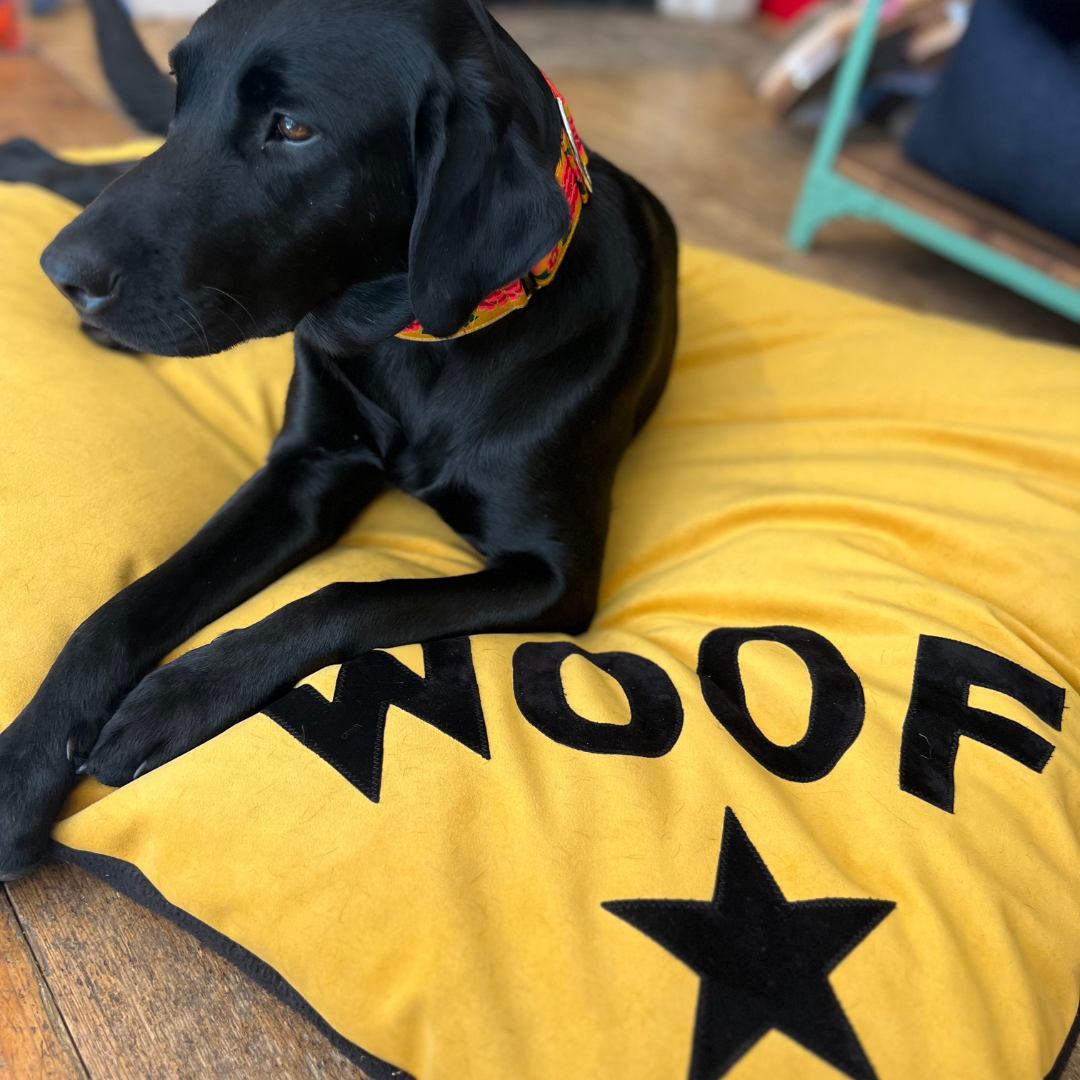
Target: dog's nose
86, 278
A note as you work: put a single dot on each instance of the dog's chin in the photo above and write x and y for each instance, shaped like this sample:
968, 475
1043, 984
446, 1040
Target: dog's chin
157, 342
365, 313
187, 336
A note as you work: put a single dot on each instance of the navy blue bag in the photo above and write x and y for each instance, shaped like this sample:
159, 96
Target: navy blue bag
1004, 120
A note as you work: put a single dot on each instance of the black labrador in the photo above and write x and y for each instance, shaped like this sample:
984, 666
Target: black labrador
343, 169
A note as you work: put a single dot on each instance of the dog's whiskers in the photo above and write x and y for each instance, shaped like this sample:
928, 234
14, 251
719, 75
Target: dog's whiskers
187, 324
171, 331
199, 322
236, 301
228, 316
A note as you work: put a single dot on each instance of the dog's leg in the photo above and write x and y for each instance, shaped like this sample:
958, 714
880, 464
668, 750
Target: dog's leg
294, 507
205, 691
24, 162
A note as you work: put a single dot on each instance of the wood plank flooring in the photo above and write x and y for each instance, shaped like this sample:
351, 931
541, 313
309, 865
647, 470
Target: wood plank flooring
34, 1041
92, 987
36, 101
143, 999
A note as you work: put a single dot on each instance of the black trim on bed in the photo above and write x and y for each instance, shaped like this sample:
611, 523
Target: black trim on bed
1057, 1070
131, 881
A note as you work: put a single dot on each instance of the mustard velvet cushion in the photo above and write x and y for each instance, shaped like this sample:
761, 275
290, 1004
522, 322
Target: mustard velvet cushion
802, 803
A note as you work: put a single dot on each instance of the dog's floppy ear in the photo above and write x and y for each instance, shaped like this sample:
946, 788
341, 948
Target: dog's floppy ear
488, 205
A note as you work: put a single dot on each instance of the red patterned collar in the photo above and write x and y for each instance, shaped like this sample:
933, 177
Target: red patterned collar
572, 174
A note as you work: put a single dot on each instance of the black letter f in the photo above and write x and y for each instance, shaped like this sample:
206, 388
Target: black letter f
939, 714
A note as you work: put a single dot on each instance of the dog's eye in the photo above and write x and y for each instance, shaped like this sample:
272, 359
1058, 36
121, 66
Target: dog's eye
293, 130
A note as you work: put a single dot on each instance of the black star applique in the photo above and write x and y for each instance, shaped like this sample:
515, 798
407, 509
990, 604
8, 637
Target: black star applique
764, 962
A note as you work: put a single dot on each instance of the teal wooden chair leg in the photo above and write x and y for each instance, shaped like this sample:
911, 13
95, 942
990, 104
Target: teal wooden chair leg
821, 200
827, 195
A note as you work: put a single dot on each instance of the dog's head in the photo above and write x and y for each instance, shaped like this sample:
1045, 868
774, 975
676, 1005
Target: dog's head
398, 152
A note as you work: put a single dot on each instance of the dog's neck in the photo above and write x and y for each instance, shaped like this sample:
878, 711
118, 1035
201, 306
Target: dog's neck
373, 311
572, 176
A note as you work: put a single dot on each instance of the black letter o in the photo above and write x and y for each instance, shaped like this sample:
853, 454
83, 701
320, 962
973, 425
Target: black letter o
656, 713
836, 706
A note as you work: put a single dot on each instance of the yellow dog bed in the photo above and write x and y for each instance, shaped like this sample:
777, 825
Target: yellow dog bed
802, 803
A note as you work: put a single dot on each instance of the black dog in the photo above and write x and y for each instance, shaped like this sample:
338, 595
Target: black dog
342, 168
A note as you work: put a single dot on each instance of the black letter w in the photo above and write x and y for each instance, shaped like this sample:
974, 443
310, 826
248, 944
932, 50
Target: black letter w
347, 732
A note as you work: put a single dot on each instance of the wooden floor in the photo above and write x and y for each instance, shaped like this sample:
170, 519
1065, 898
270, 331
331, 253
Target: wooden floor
94, 987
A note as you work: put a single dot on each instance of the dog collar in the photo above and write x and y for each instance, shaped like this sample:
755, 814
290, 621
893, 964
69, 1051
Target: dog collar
572, 175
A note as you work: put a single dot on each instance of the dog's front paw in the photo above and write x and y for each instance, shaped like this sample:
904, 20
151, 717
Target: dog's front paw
173, 710
37, 771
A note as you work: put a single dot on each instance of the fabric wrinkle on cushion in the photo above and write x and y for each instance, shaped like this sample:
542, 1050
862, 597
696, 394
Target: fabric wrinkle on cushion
819, 461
